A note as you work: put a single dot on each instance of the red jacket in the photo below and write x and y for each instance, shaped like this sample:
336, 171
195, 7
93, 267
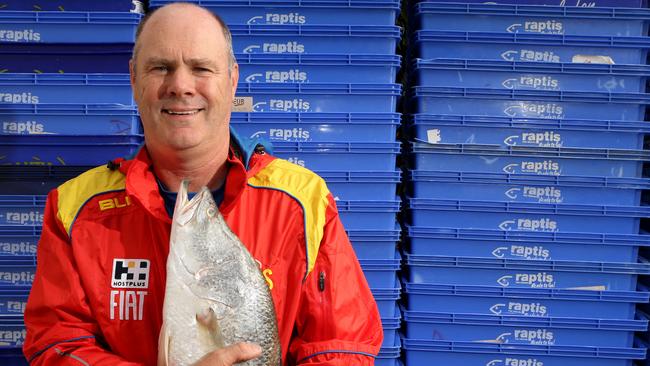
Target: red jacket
100, 279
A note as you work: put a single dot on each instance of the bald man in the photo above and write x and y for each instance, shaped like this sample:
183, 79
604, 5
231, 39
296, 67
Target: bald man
100, 283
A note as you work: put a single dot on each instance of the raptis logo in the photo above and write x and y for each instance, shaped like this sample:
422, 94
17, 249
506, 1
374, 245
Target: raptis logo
522, 251
530, 55
296, 161
18, 98
544, 27
293, 76
539, 110
532, 82
534, 309
277, 18
289, 134
546, 167
508, 361
544, 225
23, 218
17, 278
14, 307
579, 3
289, 47
532, 280
534, 336
291, 105
7, 35
18, 248
22, 128
541, 139
539, 194
12, 337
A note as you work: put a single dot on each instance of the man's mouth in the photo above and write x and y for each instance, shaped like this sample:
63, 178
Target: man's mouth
184, 112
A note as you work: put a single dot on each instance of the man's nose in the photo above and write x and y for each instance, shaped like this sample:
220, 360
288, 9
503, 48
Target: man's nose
180, 83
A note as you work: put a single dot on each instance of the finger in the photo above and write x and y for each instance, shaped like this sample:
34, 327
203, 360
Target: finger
240, 352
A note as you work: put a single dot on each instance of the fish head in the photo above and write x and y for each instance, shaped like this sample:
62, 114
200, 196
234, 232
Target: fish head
196, 212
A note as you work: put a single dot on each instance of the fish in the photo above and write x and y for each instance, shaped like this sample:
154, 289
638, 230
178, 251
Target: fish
215, 293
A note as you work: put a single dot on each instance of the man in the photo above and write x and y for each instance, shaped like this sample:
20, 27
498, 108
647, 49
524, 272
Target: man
98, 293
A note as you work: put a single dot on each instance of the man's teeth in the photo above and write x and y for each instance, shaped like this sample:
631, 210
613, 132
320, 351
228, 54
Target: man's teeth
180, 112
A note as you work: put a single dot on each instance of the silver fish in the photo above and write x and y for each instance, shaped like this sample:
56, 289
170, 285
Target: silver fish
215, 292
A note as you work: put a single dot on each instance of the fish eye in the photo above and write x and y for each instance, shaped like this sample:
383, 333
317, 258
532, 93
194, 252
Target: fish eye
212, 211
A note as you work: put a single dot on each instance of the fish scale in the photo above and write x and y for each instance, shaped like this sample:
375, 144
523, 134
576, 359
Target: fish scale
208, 267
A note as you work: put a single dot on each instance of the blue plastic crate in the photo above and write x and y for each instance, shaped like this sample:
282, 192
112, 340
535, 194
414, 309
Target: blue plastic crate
531, 75
530, 47
339, 39
387, 300
65, 58
69, 119
317, 68
12, 357
424, 352
13, 300
320, 156
381, 273
525, 245
391, 325
342, 12
317, 127
65, 88
530, 103
389, 354
507, 216
532, 19
503, 329
46, 150
17, 271
320, 97
371, 244
360, 185
526, 160
22, 210
74, 5
368, 215
527, 302
17, 239
534, 132
567, 3
31, 180
517, 273
12, 332
527, 188
68, 27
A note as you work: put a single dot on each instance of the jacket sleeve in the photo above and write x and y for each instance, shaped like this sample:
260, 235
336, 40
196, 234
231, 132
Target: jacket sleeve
60, 325
338, 321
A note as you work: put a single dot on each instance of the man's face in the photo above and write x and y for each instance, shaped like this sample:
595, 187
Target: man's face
181, 82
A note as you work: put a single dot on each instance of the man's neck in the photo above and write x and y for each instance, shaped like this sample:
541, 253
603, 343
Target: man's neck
204, 170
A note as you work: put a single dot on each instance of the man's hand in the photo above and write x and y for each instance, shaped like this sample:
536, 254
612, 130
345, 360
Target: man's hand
228, 356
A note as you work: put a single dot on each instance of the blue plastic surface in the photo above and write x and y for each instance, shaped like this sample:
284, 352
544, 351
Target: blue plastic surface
568, 3
46, 150
357, 156
341, 12
74, 5
369, 244
23, 210
534, 132
13, 300
368, 215
387, 300
421, 352
31, 180
530, 103
20, 240
68, 27
359, 185
339, 39
389, 354
321, 97
532, 19
528, 302
65, 58
527, 188
381, 273
12, 332
517, 273
531, 75
17, 271
508, 216
525, 245
530, 47
70, 119
390, 325
318, 127
502, 329
12, 357
525, 160
66, 88
317, 68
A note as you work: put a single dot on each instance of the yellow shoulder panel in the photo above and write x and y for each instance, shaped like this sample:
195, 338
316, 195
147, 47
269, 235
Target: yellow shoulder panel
74, 193
308, 189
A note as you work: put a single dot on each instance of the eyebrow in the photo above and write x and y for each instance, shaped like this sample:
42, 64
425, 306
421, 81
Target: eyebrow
191, 61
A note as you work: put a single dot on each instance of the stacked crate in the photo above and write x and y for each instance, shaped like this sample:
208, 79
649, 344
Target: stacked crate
63, 106
527, 132
316, 80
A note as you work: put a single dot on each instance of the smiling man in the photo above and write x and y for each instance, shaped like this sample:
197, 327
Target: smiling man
99, 289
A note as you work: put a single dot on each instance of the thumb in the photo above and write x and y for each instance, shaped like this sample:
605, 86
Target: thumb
230, 355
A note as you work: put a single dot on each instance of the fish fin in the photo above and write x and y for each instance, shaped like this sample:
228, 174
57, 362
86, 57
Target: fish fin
163, 346
209, 328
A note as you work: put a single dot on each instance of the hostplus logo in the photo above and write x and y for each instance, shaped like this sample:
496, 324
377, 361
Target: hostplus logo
540, 139
538, 194
532, 280
508, 361
283, 105
543, 27
22, 128
278, 18
530, 55
539, 110
536, 252
534, 309
543, 225
546, 167
273, 76
532, 82
19, 98
25, 35
12, 337
279, 48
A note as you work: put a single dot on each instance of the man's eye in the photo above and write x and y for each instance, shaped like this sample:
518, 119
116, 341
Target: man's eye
202, 69
160, 68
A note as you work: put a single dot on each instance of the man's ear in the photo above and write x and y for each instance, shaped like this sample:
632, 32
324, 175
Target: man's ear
234, 78
132, 77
